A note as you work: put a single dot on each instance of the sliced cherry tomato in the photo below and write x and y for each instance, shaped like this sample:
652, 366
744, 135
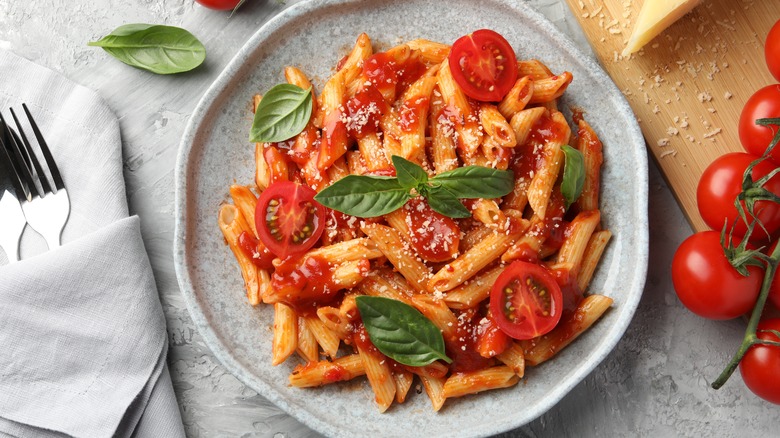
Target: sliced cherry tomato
220, 5
289, 221
760, 367
526, 301
763, 103
707, 284
434, 236
484, 65
772, 50
719, 186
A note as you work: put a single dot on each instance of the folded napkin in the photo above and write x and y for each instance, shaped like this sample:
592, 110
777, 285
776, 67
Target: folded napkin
82, 333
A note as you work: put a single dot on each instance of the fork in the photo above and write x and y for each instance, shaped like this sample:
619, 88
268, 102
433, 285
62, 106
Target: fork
11, 190
46, 208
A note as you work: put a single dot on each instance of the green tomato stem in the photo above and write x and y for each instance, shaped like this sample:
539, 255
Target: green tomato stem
750, 337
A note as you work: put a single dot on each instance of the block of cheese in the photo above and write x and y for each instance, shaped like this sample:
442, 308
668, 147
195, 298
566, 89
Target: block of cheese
654, 17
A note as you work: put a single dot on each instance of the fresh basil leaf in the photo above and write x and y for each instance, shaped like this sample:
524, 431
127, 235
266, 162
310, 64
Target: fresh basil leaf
573, 174
476, 182
409, 174
156, 48
364, 196
401, 332
282, 114
445, 202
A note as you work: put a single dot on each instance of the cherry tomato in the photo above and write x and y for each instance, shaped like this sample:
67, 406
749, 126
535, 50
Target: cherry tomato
260, 255
220, 5
707, 284
484, 65
719, 186
289, 221
772, 50
435, 237
763, 103
760, 367
526, 301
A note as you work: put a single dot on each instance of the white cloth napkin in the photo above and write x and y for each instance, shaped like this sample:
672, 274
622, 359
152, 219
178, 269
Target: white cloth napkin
82, 334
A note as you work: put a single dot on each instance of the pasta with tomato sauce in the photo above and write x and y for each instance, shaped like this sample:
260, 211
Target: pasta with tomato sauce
428, 183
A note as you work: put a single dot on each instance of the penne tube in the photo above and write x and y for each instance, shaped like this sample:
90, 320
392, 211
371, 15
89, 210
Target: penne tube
549, 89
473, 260
469, 135
334, 139
372, 150
594, 250
517, 98
589, 144
460, 384
589, 310
379, 286
431, 52
307, 343
413, 118
544, 179
379, 376
262, 171
442, 132
246, 202
577, 236
328, 339
332, 318
325, 372
355, 163
350, 250
232, 224
474, 291
398, 253
497, 130
285, 339
434, 387
514, 358
353, 63
397, 220
403, 382
533, 68
438, 313
523, 122
488, 212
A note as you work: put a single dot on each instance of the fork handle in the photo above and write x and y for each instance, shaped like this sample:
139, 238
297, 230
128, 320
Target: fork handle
52, 239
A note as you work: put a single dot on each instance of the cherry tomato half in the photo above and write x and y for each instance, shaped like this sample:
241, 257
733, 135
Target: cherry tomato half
760, 367
719, 186
707, 284
772, 50
526, 301
289, 221
484, 65
220, 5
764, 103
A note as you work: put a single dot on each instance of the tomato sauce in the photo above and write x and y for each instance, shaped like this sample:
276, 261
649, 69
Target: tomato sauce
434, 237
333, 143
364, 111
391, 76
305, 284
256, 251
547, 130
572, 295
462, 347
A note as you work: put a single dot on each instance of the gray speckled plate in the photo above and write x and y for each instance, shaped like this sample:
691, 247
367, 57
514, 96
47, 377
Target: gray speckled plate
214, 152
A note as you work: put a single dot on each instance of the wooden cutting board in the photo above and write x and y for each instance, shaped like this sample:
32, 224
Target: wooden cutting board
687, 86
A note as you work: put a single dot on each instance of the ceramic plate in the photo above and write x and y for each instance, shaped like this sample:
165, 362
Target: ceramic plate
215, 152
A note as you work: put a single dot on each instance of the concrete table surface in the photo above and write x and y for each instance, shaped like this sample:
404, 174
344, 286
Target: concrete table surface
655, 382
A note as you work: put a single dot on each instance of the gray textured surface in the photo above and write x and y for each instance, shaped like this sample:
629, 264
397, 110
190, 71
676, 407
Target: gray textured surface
655, 383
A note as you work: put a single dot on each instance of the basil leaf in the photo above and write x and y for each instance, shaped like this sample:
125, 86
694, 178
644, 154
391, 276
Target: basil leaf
401, 332
156, 48
476, 182
282, 114
364, 196
409, 174
445, 202
573, 174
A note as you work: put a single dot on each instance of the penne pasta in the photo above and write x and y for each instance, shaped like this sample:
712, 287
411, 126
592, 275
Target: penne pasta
285, 333
472, 382
326, 372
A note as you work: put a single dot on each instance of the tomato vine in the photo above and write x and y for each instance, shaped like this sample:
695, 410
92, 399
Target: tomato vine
740, 256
